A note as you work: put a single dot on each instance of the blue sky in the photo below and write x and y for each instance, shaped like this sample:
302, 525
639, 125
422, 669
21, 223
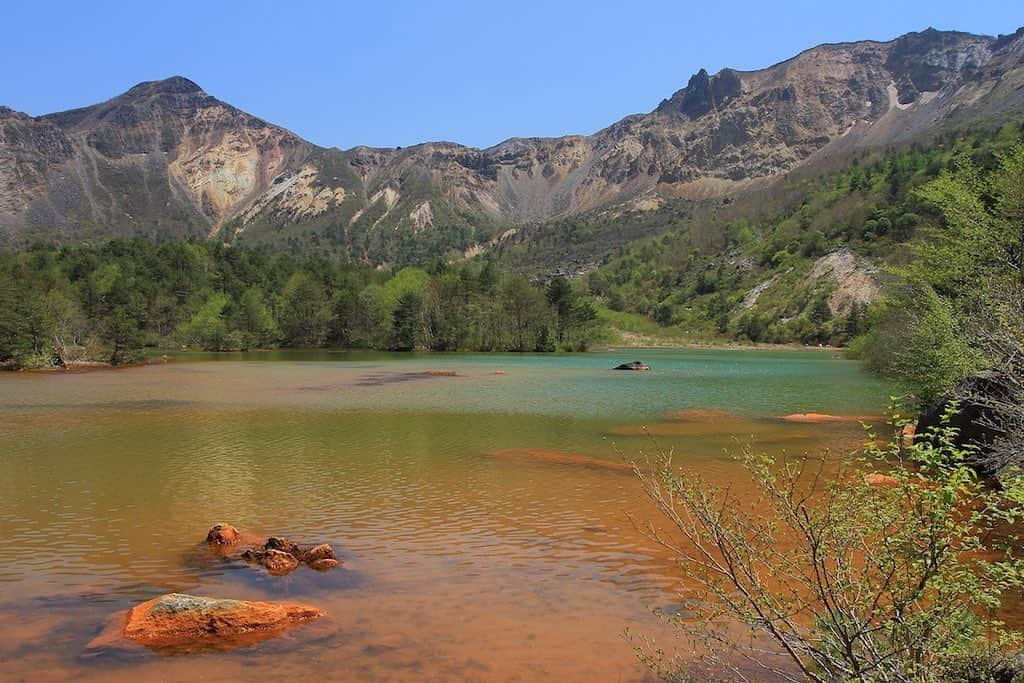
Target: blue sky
396, 73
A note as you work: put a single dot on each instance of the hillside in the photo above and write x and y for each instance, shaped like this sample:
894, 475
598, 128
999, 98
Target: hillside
166, 160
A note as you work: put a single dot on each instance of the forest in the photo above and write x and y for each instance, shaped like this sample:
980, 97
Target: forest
62, 305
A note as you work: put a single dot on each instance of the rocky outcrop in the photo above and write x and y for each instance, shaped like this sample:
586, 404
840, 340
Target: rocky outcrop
856, 280
187, 623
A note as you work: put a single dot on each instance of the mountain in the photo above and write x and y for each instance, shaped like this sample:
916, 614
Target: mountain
167, 160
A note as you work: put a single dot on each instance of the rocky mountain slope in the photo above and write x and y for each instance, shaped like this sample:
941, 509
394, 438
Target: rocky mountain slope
167, 160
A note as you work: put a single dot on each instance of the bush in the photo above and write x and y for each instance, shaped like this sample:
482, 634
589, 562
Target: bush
857, 576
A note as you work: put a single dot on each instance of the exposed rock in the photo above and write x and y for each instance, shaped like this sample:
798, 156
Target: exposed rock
223, 534
277, 562
179, 622
320, 552
975, 418
167, 156
324, 565
856, 280
633, 365
281, 556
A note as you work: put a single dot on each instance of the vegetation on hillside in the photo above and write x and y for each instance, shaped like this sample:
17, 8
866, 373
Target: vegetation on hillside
64, 305
696, 281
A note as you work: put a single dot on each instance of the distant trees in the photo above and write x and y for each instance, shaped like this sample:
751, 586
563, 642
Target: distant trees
68, 304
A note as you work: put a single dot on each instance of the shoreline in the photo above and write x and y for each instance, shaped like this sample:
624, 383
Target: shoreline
169, 355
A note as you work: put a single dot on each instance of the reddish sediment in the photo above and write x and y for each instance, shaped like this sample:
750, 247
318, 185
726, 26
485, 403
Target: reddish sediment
818, 418
560, 457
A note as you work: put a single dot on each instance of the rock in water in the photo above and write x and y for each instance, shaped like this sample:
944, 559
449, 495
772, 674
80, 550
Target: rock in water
277, 562
188, 623
634, 365
978, 397
223, 534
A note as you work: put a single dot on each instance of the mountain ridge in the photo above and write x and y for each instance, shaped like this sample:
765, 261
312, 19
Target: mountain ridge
167, 160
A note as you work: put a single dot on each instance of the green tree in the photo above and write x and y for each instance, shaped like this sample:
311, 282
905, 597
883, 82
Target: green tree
305, 312
123, 337
407, 322
208, 328
255, 320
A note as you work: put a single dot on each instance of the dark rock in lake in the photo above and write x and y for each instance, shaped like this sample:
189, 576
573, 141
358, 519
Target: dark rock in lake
977, 397
634, 365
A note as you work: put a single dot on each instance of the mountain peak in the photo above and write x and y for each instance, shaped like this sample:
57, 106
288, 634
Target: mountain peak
175, 85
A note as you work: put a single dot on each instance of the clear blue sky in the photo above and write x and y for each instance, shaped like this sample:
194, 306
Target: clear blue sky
396, 72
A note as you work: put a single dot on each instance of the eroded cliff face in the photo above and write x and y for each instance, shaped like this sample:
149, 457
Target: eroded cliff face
167, 159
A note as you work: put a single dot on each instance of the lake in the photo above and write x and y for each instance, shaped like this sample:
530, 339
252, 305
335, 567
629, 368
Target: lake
481, 533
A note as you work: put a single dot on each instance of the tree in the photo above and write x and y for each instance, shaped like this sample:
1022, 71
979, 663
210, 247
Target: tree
208, 328
305, 314
407, 322
255, 321
860, 576
123, 336
560, 295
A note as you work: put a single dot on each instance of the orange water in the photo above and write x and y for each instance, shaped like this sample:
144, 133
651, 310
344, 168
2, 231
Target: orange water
481, 518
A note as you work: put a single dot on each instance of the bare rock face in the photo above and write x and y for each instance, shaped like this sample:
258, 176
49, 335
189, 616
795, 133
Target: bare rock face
186, 623
167, 159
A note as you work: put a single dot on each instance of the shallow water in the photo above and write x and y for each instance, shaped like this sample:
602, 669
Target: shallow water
481, 518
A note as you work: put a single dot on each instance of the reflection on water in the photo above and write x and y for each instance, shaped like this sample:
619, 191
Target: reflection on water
481, 519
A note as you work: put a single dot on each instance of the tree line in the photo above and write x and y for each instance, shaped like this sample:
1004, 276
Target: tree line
61, 305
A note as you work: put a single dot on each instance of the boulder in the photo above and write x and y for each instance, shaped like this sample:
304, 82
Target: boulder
177, 620
277, 562
223, 534
324, 565
320, 552
976, 397
281, 556
634, 365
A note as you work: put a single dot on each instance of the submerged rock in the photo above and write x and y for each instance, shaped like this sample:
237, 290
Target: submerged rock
878, 479
189, 623
281, 556
633, 365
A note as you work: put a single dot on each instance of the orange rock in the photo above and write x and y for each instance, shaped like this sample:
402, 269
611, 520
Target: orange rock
177, 619
811, 418
907, 434
876, 479
324, 564
223, 534
320, 552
